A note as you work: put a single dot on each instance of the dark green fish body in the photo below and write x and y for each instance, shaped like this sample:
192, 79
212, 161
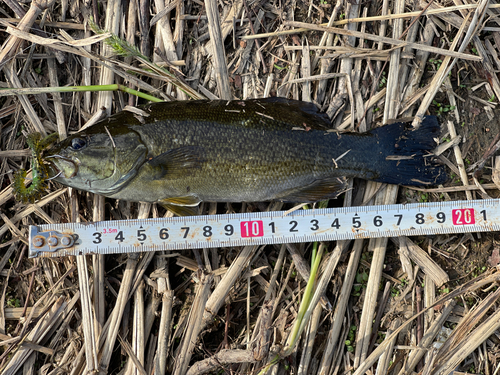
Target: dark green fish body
182, 153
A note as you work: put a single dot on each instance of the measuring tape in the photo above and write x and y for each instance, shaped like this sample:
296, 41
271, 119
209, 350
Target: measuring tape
259, 228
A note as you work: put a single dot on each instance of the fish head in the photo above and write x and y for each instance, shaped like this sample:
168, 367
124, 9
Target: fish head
99, 160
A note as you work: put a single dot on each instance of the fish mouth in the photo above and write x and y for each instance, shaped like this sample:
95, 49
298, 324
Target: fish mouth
62, 166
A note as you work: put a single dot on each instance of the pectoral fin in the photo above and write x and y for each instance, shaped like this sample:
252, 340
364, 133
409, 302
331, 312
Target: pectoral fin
316, 191
177, 163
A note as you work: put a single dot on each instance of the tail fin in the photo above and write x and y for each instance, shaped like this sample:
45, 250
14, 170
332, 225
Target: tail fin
406, 159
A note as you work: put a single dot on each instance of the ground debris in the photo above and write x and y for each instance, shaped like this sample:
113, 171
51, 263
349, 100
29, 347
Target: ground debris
364, 64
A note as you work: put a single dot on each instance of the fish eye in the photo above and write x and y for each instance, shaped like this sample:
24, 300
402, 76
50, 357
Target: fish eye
78, 143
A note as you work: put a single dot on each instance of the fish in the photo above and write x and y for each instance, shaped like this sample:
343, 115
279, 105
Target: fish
179, 154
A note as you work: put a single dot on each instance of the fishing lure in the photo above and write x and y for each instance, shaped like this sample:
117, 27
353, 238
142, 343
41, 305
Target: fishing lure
40, 174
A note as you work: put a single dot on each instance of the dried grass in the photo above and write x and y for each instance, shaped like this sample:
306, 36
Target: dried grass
370, 63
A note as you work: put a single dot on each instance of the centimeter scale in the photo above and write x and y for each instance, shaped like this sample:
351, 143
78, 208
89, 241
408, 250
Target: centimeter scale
178, 233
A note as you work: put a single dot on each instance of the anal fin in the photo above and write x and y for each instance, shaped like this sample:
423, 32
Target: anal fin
318, 190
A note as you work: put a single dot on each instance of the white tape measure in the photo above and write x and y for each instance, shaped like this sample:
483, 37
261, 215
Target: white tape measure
109, 237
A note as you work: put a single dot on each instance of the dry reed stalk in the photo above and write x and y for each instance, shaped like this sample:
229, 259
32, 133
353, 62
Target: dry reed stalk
216, 299
284, 90
446, 65
305, 72
58, 105
346, 64
36, 8
29, 209
132, 357
433, 10
454, 188
130, 32
383, 362
378, 246
429, 299
164, 48
115, 318
495, 175
417, 354
391, 41
356, 77
75, 47
138, 335
450, 18
469, 344
459, 159
62, 25
222, 357
87, 75
194, 326
14, 153
385, 197
392, 97
164, 38
300, 263
112, 24
451, 98
151, 313
104, 101
21, 13
404, 257
380, 45
445, 146
424, 261
244, 63
334, 359
464, 327
479, 282
488, 66
36, 335
411, 35
418, 67
218, 53
309, 341
36, 125
164, 331
89, 332
327, 40
98, 266
266, 313
227, 24
369, 104
340, 308
352, 52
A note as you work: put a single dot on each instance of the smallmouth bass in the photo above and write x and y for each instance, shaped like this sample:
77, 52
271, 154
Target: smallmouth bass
181, 153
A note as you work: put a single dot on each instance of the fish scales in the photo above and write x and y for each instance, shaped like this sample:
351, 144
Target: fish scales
250, 159
255, 150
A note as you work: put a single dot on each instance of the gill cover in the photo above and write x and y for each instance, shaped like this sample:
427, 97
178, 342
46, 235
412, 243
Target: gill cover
102, 160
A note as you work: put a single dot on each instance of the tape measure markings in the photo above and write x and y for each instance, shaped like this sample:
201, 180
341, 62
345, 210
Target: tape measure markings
260, 228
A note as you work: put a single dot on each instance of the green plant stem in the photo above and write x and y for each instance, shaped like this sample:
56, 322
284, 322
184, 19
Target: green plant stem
44, 90
314, 253
303, 315
300, 322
